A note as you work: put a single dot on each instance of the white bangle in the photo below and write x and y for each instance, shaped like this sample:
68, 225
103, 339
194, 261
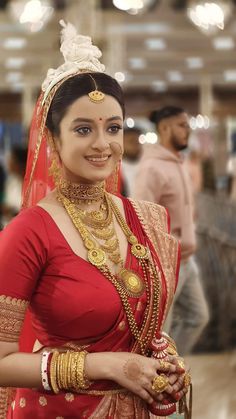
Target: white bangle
44, 371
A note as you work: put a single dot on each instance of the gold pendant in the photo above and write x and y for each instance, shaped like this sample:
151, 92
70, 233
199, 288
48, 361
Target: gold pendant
132, 283
104, 234
97, 257
96, 215
139, 251
96, 96
111, 245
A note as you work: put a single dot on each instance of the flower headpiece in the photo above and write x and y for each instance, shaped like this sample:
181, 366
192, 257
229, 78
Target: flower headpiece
80, 55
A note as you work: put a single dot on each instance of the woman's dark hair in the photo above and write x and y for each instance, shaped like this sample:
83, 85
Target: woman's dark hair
76, 87
167, 112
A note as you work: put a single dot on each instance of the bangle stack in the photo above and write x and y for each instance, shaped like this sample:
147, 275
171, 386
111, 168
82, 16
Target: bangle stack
63, 371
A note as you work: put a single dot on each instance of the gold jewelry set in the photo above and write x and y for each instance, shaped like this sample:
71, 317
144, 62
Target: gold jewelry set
126, 282
67, 371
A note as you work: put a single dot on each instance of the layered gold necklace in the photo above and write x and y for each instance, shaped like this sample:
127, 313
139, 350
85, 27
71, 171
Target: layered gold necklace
127, 282
101, 227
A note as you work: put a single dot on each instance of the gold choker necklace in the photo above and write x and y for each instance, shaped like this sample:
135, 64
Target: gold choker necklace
79, 193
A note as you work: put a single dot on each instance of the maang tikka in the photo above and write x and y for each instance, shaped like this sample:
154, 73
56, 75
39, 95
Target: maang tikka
96, 95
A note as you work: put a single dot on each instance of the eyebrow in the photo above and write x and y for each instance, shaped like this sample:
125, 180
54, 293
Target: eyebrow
92, 120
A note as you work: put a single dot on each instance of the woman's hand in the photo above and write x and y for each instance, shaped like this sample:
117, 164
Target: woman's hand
177, 388
131, 371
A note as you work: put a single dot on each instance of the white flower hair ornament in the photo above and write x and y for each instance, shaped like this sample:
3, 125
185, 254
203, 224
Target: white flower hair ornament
79, 54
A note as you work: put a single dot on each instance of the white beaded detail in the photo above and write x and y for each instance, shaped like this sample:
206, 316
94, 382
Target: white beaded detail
44, 374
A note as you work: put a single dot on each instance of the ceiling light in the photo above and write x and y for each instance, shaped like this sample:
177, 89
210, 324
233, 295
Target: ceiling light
119, 76
159, 85
14, 43
132, 6
194, 62
130, 122
155, 44
137, 63
175, 76
224, 42
151, 137
13, 77
32, 14
14, 62
209, 16
199, 122
142, 139
230, 75
17, 87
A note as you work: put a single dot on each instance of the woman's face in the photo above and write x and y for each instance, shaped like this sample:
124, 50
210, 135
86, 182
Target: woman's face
91, 139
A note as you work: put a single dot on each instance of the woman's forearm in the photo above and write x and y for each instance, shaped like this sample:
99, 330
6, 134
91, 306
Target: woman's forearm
24, 369
20, 370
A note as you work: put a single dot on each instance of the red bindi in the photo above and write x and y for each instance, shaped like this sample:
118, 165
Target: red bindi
100, 119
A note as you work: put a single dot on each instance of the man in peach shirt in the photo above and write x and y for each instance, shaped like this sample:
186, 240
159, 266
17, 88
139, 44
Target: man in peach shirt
162, 178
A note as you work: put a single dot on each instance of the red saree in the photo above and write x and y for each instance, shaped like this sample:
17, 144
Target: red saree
71, 302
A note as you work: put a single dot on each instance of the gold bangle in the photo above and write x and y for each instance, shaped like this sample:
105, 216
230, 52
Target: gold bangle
59, 369
53, 372
82, 381
63, 371
73, 371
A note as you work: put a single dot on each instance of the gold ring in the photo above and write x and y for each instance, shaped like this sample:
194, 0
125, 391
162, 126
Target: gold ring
187, 380
164, 365
160, 383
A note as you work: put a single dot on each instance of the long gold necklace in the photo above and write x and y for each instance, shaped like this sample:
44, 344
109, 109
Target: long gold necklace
97, 257
100, 225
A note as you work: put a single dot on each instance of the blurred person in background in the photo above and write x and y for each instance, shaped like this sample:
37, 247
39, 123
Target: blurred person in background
13, 186
162, 178
131, 156
193, 163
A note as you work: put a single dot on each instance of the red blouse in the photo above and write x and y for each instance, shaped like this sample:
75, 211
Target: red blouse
41, 267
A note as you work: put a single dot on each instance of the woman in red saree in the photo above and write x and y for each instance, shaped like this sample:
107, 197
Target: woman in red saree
96, 272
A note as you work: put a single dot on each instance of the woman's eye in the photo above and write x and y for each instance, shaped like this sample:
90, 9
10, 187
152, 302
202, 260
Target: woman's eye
83, 130
114, 129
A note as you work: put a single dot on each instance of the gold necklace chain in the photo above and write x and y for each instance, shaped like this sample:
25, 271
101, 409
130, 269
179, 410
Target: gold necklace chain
97, 257
95, 219
137, 250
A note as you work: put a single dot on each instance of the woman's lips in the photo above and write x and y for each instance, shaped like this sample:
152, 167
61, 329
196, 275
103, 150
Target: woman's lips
98, 161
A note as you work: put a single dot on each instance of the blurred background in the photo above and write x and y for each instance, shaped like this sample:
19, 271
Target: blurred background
177, 52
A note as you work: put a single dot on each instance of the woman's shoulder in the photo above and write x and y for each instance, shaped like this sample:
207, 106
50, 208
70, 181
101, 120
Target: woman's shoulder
28, 221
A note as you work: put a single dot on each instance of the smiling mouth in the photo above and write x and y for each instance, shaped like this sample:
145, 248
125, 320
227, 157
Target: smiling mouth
98, 159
